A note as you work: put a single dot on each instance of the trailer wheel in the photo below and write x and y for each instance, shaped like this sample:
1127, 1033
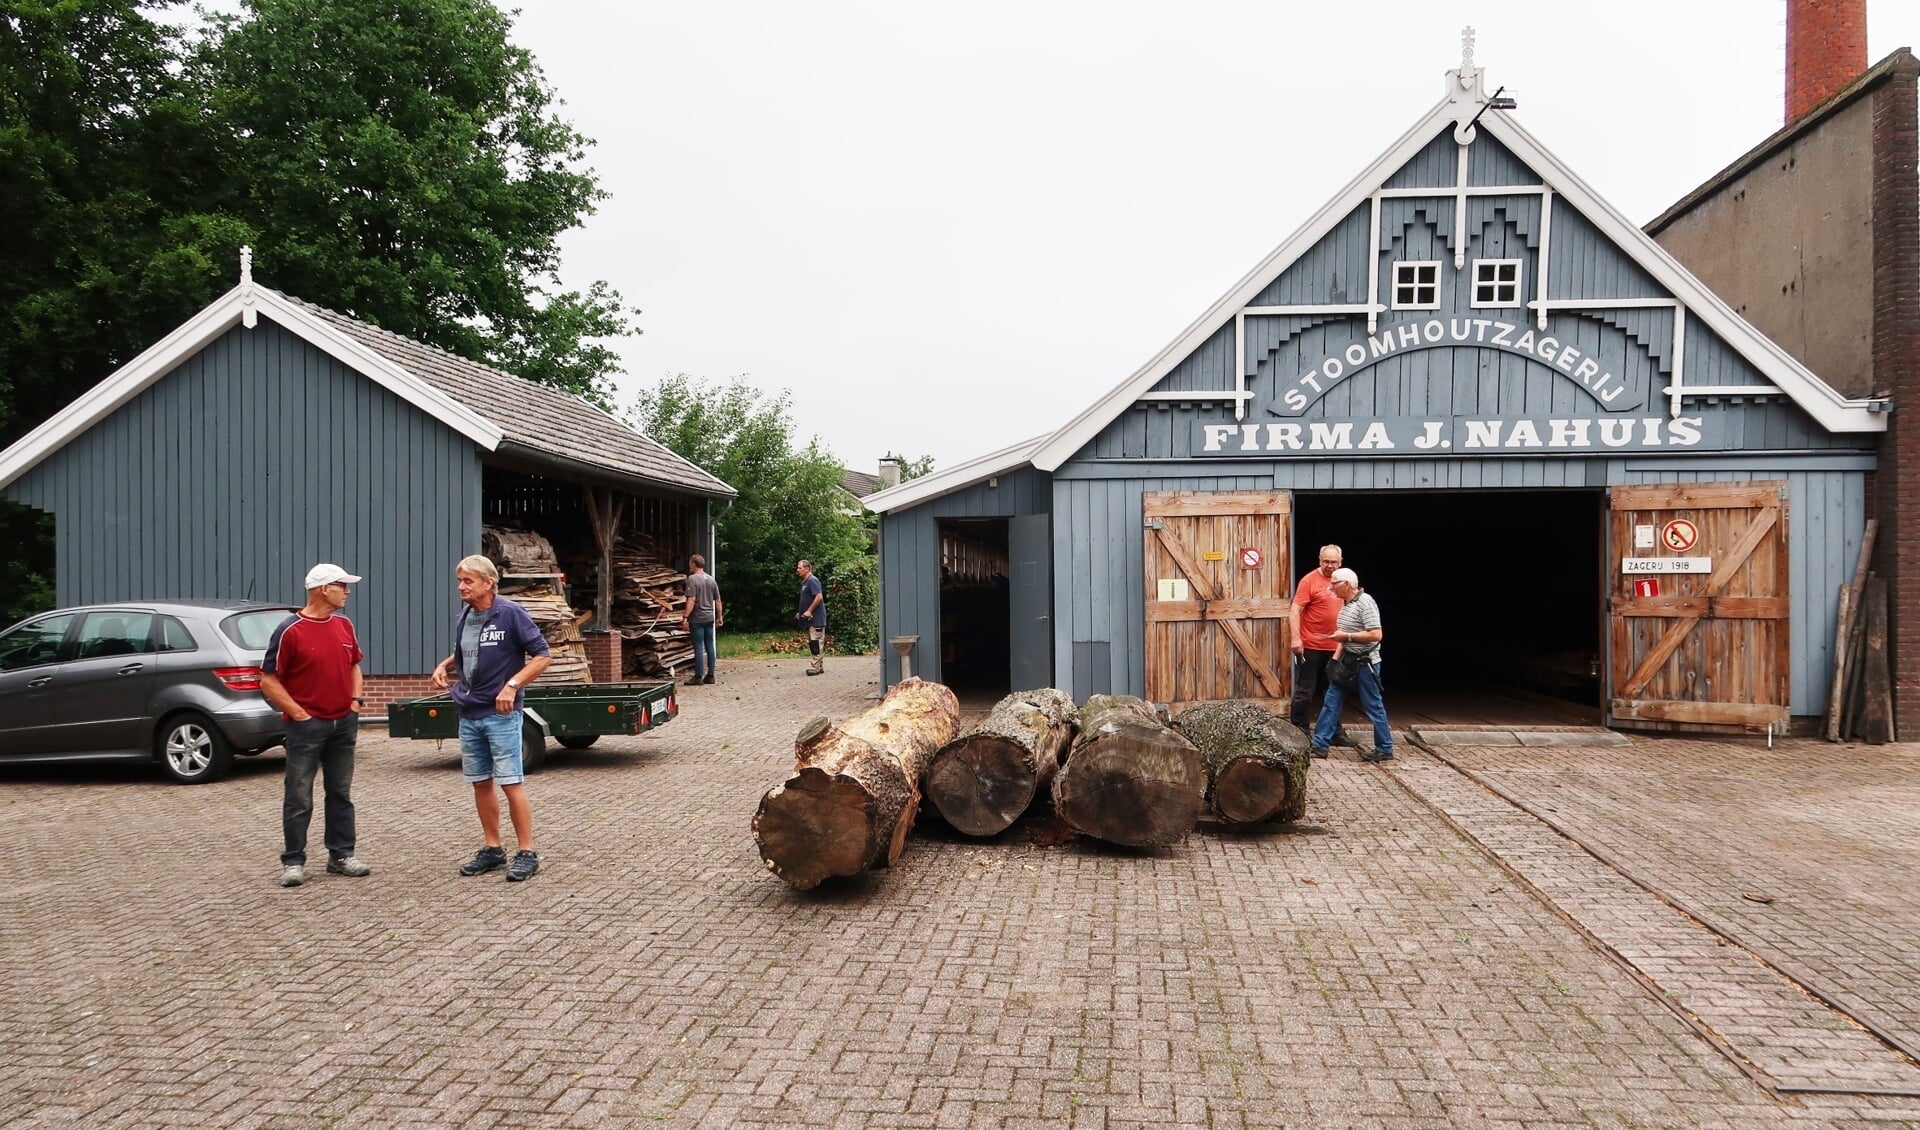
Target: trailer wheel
579, 741
533, 746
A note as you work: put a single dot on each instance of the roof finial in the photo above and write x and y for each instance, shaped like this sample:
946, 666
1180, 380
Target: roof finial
1466, 48
246, 266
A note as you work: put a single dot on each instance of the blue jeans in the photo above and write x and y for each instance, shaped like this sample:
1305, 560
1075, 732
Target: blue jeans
702, 647
1370, 701
319, 744
490, 749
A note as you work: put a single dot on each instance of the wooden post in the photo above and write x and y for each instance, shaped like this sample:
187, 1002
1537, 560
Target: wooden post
1876, 712
1843, 631
603, 510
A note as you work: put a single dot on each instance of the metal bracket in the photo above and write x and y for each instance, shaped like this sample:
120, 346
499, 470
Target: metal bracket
1154, 526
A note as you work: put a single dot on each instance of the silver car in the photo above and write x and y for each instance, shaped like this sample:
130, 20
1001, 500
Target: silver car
174, 681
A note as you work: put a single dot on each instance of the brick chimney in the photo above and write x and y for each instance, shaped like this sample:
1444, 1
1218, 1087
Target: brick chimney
1826, 50
889, 471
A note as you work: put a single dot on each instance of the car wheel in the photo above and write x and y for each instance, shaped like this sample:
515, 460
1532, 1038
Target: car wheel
579, 741
533, 746
192, 749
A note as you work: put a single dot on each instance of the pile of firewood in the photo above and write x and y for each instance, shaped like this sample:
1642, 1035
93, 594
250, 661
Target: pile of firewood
517, 552
647, 598
1113, 770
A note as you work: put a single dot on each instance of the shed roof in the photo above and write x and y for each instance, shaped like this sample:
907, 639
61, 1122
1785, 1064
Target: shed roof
499, 412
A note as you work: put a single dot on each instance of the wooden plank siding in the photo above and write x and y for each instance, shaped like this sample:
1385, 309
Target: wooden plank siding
910, 561
252, 460
1098, 552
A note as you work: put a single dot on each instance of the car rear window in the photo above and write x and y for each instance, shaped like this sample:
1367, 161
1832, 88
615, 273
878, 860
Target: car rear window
252, 630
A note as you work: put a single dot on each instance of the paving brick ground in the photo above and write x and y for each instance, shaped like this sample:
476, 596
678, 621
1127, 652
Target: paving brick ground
1370, 968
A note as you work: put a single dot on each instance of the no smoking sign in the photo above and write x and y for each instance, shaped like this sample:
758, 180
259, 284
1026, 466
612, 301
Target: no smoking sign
1679, 535
1250, 558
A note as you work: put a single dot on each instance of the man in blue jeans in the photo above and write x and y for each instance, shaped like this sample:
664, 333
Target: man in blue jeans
1357, 634
497, 650
311, 674
703, 613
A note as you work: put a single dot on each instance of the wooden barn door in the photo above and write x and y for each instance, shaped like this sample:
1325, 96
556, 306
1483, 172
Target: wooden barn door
1218, 596
1706, 651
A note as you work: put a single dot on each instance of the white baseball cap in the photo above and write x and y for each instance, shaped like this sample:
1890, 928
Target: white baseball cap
321, 575
1347, 575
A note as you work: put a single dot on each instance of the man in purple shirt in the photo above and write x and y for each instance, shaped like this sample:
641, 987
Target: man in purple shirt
497, 650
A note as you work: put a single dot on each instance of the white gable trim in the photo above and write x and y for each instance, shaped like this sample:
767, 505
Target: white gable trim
1833, 411
958, 477
237, 306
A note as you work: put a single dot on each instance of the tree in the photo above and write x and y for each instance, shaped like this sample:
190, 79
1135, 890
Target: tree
102, 163
915, 468
788, 506
421, 187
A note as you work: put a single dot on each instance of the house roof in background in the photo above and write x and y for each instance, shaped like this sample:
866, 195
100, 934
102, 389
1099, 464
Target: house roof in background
858, 483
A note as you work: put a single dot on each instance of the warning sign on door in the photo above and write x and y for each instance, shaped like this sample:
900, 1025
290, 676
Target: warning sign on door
1250, 558
1679, 535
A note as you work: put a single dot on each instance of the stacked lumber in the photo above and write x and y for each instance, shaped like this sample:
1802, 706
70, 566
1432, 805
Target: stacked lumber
559, 623
647, 596
1860, 702
518, 551
855, 789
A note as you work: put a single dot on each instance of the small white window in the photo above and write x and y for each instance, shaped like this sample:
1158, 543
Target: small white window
1496, 282
1416, 286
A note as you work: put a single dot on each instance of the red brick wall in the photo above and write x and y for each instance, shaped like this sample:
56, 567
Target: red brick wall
1826, 50
383, 689
1896, 370
603, 656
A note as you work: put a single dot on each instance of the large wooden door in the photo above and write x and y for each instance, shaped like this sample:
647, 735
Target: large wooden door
1227, 634
1709, 651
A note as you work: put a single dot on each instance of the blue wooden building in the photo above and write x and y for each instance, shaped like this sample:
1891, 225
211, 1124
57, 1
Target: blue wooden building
1562, 466
267, 434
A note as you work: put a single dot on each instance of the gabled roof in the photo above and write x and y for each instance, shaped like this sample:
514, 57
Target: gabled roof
499, 412
1467, 98
957, 477
859, 484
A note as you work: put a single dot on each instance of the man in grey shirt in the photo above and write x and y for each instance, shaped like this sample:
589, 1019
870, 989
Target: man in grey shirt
702, 613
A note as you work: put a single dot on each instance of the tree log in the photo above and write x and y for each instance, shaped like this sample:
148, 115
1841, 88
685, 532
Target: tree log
855, 789
984, 779
1129, 779
1256, 763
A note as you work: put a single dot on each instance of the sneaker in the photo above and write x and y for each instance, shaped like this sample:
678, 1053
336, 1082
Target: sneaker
1377, 755
525, 863
348, 865
816, 671
293, 875
1318, 753
490, 858
708, 680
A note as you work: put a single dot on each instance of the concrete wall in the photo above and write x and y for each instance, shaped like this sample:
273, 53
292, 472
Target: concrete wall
1788, 244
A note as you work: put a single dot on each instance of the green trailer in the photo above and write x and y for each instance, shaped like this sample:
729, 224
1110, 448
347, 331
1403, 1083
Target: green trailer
573, 714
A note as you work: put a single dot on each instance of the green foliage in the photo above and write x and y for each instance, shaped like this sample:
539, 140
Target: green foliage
26, 583
853, 604
789, 506
915, 468
421, 187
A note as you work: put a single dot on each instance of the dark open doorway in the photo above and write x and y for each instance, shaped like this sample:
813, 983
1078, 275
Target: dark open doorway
1490, 599
974, 606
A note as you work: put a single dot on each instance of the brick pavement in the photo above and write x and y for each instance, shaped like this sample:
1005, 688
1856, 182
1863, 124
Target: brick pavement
1370, 968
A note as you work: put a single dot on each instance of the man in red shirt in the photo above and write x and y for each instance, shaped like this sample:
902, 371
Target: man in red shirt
312, 674
1316, 615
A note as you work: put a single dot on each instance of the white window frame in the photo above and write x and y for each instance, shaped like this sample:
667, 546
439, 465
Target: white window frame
1519, 276
1411, 266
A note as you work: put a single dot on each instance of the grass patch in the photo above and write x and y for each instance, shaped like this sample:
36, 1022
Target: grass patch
764, 645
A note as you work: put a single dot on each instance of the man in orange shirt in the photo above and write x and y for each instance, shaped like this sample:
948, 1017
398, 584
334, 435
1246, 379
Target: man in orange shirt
1316, 614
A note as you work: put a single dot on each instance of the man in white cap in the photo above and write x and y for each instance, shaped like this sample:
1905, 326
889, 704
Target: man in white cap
312, 674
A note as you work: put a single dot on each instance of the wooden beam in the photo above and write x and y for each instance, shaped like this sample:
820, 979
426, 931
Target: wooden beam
1843, 629
1697, 496
1675, 710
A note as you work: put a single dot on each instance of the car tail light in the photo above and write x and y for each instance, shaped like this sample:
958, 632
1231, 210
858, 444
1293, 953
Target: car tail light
239, 678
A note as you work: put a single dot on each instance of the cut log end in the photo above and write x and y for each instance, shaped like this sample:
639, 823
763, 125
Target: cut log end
1250, 790
813, 729
1134, 798
981, 785
814, 827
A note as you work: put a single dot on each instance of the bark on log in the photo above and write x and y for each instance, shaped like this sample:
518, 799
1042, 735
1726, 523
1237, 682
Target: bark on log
984, 779
1256, 763
855, 789
1129, 779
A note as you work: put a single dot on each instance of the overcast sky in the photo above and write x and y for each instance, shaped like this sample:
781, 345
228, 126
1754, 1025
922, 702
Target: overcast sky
948, 228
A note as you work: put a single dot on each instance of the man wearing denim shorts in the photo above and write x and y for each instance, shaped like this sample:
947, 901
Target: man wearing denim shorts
496, 651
